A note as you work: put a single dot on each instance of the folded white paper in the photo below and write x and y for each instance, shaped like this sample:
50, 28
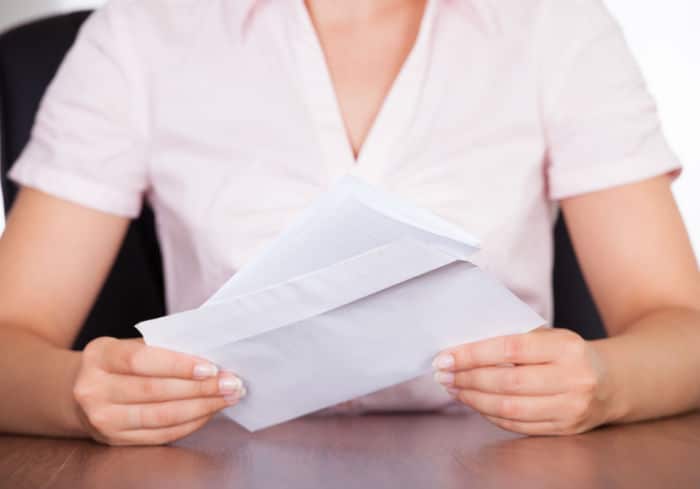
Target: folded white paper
356, 296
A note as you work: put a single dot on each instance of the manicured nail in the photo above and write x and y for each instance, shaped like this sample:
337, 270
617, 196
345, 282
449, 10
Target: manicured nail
230, 385
443, 361
205, 370
234, 398
444, 378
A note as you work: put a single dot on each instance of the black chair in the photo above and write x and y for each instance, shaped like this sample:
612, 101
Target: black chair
29, 57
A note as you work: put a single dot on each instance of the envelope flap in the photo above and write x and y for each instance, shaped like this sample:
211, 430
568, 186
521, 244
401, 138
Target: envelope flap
294, 300
349, 220
447, 234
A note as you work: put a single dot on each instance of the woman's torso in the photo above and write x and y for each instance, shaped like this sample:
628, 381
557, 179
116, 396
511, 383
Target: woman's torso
246, 132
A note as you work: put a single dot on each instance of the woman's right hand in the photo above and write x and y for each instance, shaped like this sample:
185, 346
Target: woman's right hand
129, 393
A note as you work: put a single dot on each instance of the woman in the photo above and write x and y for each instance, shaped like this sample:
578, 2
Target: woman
231, 116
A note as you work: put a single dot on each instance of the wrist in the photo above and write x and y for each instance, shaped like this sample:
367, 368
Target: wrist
70, 412
613, 401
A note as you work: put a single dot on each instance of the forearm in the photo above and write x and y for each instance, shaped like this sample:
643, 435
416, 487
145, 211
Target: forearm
37, 385
652, 368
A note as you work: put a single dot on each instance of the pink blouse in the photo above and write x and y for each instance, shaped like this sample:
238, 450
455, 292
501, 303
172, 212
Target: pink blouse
222, 114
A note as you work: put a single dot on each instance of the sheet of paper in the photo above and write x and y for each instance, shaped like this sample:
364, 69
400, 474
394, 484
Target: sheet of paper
358, 295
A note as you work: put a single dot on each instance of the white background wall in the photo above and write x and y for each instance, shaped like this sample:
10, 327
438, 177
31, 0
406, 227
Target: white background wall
14, 11
662, 35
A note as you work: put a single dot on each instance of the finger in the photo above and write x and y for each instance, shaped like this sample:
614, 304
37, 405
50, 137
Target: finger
134, 358
161, 436
143, 390
165, 414
534, 380
517, 408
529, 348
537, 428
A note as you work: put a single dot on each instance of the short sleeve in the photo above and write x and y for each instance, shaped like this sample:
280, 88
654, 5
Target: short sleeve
88, 143
602, 125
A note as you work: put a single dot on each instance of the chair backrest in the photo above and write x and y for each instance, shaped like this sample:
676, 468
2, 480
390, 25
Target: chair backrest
573, 305
29, 57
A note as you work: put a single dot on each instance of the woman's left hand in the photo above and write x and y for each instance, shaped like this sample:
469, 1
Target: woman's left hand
545, 382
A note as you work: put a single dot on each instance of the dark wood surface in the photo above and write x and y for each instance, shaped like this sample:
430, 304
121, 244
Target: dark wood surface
412, 451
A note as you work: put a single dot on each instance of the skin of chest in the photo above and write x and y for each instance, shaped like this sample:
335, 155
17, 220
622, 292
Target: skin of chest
364, 55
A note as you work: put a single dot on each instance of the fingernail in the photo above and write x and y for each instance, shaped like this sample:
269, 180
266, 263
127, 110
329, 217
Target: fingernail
205, 370
234, 398
444, 360
444, 378
230, 384
453, 392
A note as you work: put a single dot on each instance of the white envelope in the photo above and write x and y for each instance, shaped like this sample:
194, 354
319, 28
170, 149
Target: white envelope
356, 296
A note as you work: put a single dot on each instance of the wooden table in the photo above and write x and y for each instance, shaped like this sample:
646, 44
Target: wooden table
393, 451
